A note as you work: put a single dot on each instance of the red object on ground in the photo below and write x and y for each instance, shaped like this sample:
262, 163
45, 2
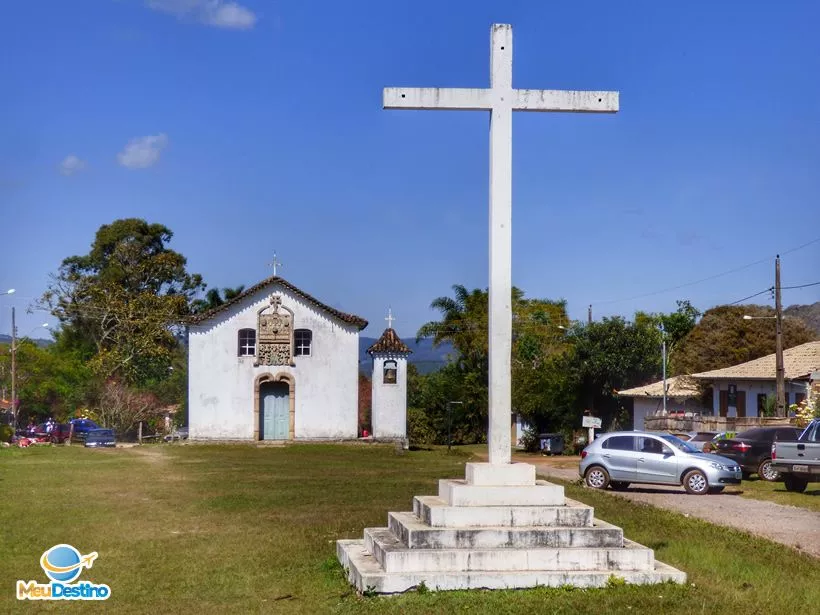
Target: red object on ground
365, 433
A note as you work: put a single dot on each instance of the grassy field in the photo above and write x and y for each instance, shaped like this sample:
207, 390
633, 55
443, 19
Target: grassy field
776, 492
214, 529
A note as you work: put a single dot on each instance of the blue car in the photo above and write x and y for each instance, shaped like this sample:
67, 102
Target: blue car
82, 427
100, 438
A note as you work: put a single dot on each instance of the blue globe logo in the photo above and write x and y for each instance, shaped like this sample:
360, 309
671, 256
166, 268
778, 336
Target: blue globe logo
62, 563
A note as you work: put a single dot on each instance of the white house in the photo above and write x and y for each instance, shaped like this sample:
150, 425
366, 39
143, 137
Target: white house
682, 396
739, 391
273, 364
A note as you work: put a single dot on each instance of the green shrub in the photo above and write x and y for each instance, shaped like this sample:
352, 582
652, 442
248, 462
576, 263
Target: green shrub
529, 440
6, 432
419, 427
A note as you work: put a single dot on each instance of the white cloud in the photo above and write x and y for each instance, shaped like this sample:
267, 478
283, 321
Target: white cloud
71, 165
217, 13
142, 152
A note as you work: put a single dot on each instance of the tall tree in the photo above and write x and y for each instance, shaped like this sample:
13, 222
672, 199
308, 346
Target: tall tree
723, 338
118, 304
610, 355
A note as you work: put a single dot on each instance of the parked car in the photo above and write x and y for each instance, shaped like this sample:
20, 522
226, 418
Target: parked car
82, 427
699, 439
56, 433
100, 438
621, 458
752, 449
799, 462
711, 445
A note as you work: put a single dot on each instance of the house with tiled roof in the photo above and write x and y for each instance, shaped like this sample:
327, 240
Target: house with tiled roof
738, 391
683, 395
273, 363
741, 390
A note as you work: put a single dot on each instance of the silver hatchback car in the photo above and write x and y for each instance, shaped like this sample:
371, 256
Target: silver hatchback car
621, 458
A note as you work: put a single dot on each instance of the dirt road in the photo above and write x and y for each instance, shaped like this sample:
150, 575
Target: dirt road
788, 525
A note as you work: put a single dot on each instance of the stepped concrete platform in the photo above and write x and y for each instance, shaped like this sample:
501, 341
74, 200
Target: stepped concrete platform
498, 528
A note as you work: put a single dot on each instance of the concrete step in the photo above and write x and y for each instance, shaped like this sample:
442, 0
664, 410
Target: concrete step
394, 556
456, 492
435, 512
418, 535
366, 574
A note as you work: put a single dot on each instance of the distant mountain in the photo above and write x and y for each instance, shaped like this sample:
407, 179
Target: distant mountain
6, 339
810, 314
426, 358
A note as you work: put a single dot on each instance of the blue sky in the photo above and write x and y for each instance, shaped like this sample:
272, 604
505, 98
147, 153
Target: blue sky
253, 126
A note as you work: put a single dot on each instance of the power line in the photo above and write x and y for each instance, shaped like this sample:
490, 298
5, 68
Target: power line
768, 290
800, 286
706, 279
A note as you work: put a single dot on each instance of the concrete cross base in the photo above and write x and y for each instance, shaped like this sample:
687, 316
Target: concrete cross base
510, 535
366, 574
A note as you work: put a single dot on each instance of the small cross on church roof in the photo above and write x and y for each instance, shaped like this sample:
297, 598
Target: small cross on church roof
389, 342
275, 264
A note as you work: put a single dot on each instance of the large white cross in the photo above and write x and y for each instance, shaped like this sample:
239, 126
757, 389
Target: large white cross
500, 99
390, 318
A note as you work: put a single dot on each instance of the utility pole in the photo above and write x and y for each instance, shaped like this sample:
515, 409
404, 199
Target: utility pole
589, 314
780, 387
663, 354
13, 371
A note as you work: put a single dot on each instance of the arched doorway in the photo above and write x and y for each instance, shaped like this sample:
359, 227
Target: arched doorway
274, 411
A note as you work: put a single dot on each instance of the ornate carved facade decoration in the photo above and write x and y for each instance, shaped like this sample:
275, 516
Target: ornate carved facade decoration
275, 343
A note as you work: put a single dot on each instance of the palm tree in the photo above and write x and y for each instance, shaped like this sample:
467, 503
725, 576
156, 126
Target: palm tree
213, 299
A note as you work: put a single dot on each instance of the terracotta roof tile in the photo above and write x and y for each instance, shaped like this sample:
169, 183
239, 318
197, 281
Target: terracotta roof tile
351, 319
798, 362
676, 387
389, 342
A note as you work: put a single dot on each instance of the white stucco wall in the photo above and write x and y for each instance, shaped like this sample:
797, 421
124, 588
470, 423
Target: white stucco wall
221, 384
643, 407
389, 401
753, 388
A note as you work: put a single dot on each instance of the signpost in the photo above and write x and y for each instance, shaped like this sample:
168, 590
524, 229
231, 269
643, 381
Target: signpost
593, 423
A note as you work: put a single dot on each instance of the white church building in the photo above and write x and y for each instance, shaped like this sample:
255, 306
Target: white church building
274, 363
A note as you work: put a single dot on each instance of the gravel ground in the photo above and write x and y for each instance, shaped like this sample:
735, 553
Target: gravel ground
788, 525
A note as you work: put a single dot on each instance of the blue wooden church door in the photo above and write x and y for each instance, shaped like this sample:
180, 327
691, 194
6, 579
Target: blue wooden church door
275, 415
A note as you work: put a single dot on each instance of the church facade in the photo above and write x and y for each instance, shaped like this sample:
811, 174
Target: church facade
274, 363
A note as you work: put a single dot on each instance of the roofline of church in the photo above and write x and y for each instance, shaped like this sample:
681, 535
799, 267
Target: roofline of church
350, 319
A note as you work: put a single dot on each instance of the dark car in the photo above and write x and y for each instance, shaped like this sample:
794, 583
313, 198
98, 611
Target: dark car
56, 433
82, 427
752, 449
100, 437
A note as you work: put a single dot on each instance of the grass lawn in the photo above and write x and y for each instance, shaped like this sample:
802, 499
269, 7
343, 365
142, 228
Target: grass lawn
240, 529
776, 492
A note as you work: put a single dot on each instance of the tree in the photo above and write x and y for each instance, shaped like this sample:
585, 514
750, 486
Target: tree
213, 299
537, 340
49, 383
121, 407
610, 355
365, 403
119, 304
723, 338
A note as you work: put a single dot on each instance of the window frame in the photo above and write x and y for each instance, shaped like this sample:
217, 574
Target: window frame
606, 444
299, 346
243, 345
